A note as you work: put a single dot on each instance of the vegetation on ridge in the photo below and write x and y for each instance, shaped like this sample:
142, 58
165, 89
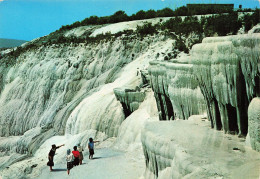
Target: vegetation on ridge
177, 28
121, 16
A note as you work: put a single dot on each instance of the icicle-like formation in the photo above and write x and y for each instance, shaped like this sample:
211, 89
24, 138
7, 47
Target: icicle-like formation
227, 69
184, 91
129, 98
159, 83
176, 90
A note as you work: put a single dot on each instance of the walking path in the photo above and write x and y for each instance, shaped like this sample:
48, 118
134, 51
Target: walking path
106, 164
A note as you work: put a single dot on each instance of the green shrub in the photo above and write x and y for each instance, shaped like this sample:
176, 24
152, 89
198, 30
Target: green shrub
180, 45
91, 20
222, 24
190, 24
172, 24
251, 20
146, 29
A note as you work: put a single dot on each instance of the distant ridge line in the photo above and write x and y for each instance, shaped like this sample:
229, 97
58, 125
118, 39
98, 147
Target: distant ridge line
8, 43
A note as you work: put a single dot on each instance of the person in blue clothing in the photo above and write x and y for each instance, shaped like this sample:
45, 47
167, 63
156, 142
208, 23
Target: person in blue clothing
91, 148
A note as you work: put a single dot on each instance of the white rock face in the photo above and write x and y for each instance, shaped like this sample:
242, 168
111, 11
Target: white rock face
176, 90
221, 72
48, 83
129, 98
254, 123
190, 149
227, 69
129, 137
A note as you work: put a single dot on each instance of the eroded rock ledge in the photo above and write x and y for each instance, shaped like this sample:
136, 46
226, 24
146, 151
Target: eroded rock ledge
129, 98
190, 149
225, 70
176, 89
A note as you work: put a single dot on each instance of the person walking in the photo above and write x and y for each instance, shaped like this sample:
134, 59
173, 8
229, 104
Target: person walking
70, 161
80, 149
51, 155
76, 156
91, 148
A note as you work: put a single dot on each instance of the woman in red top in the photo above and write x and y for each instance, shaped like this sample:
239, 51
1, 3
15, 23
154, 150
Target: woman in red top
76, 155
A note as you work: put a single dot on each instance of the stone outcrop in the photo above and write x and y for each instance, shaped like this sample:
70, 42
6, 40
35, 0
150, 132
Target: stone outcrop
176, 89
145, 77
227, 69
190, 149
254, 123
129, 98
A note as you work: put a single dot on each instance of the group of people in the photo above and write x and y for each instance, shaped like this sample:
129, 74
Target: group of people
73, 158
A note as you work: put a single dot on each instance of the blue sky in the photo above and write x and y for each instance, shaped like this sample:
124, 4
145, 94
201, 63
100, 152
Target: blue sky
29, 19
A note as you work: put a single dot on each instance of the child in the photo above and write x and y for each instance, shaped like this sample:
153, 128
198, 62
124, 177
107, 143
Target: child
76, 155
51, 155
80, 149
91, 148
70, 160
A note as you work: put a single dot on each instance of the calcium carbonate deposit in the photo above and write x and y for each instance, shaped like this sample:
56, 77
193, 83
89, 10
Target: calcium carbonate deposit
153, 118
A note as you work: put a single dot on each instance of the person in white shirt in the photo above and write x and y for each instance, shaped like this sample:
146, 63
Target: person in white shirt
70, 160
80, 149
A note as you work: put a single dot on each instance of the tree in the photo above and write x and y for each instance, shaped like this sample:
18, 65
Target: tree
150, 14
181, 11
166, 12
118, 16
140, 15
172, 24
93, 20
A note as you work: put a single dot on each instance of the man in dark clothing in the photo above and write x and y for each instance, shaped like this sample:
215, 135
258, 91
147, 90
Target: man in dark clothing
51, 155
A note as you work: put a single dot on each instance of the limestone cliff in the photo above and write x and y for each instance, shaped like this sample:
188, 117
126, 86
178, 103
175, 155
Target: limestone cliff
227, 69
176, 89
220, 75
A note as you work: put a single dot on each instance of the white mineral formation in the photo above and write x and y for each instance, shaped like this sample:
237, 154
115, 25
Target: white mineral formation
227, 69
190, 149
254, 123
176, 90
65, 92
